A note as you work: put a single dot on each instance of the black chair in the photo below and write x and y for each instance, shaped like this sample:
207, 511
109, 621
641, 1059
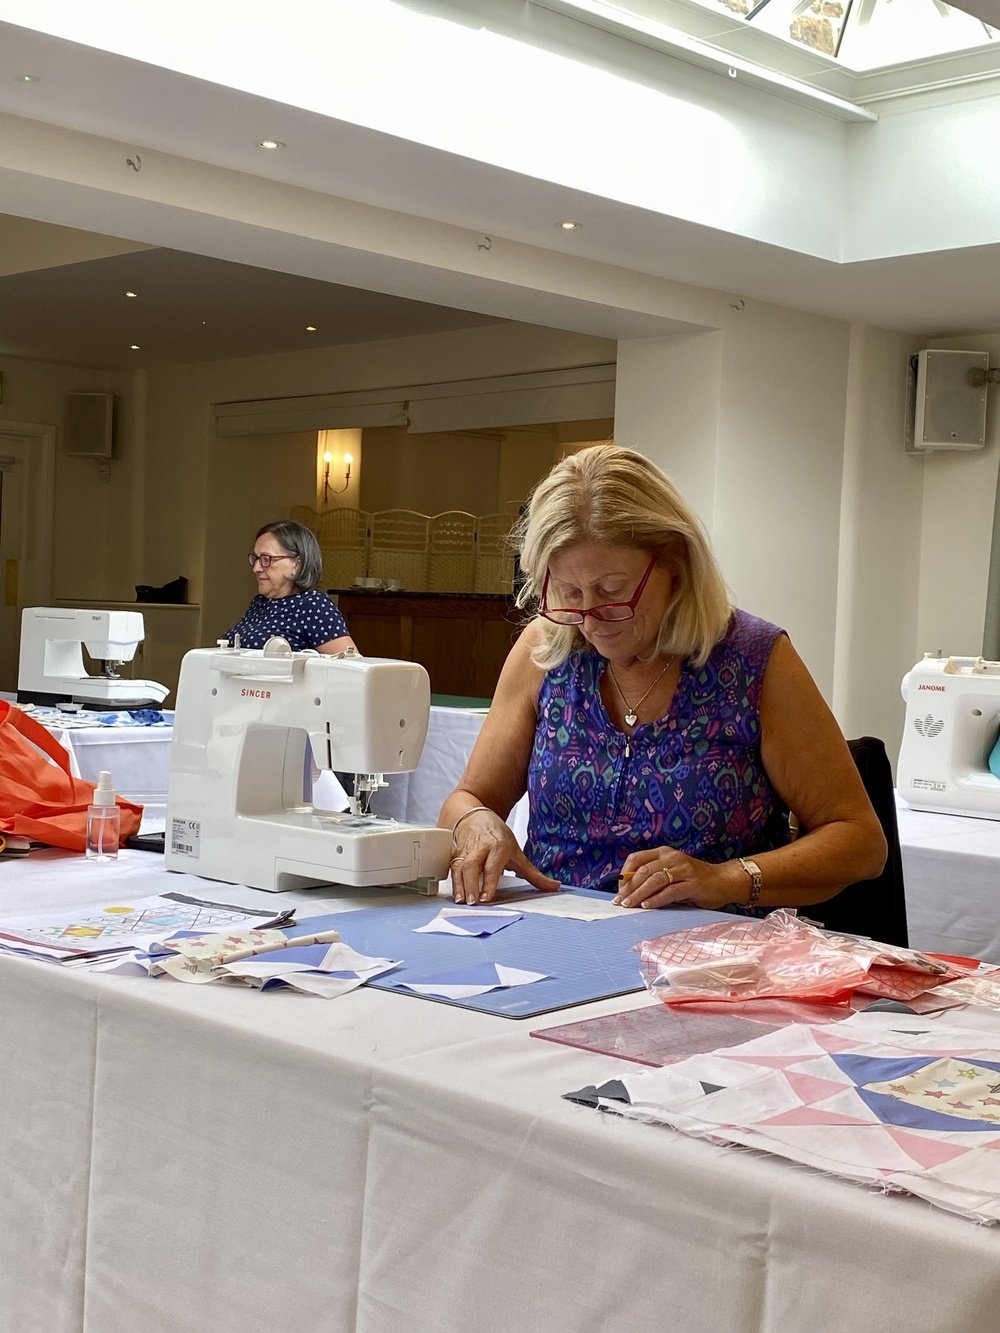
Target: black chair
872, 907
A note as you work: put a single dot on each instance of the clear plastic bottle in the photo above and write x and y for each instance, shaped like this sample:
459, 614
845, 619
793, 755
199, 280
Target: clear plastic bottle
103, 822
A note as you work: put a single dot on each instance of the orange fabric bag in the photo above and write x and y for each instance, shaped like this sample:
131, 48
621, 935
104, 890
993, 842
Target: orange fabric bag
40, 800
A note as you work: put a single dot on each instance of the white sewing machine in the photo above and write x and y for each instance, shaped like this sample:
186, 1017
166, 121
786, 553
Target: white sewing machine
51, 669
246, 725
951, 730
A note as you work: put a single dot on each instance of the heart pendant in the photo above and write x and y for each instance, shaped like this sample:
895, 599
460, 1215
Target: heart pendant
630, 719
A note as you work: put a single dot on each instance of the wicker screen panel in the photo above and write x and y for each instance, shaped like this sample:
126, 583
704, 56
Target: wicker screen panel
494, 553
451, 562
399, 539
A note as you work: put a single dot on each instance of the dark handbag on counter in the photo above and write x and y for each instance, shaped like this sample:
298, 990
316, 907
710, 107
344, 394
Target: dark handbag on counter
174, 591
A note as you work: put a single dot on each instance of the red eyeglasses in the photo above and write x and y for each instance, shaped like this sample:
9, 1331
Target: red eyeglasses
572, 615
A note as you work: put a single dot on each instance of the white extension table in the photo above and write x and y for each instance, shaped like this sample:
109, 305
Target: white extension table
183, 1159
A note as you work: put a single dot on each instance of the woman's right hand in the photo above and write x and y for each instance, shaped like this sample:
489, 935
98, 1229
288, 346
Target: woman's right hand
484, 848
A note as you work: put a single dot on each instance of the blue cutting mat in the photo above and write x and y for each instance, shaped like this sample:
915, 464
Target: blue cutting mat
584, 960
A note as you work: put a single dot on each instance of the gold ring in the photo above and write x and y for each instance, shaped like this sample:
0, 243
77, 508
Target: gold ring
669, 874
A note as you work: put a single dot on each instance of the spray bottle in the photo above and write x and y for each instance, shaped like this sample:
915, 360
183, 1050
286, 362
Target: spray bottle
103, 822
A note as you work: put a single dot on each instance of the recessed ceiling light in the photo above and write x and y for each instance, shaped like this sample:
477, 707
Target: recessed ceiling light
270, 144
29, 78
570, 226
130, 294
310, 328
135, 347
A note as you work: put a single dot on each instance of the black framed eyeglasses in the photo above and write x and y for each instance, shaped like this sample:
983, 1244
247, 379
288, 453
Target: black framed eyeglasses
572, 615
266, 561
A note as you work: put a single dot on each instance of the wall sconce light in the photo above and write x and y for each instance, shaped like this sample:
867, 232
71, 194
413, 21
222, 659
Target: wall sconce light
329, 490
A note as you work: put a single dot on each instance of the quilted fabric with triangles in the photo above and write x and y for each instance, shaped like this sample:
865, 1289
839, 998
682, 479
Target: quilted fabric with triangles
901, 1102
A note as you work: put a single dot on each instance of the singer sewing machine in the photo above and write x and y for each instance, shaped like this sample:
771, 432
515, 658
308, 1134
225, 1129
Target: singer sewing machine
950, 760
51, 669
246, 727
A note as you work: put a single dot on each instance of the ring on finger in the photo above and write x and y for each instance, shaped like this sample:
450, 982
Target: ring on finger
669, 874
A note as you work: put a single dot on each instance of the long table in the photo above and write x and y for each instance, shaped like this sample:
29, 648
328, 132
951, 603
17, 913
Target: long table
180, 1159
951, 869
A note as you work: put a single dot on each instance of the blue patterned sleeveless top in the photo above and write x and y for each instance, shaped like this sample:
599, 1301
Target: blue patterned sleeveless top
693, 779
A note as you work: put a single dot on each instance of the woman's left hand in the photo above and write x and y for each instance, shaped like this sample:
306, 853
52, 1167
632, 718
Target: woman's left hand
665, 877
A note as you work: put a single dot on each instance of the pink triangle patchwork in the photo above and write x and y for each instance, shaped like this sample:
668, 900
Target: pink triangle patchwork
811, 1115
812, 1089
767, 1061
835, 1045
925, 1152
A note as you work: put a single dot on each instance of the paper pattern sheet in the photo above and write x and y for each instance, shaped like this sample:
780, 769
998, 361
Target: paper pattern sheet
119, 926
902, 1103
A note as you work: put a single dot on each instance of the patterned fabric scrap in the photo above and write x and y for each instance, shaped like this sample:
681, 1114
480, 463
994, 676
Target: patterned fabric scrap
901, 1103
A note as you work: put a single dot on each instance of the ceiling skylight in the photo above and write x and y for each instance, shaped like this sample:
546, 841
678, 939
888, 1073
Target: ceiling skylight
855, 52
863, 34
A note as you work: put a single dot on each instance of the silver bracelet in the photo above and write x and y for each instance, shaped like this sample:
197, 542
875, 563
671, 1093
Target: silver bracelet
756, 880
464, 815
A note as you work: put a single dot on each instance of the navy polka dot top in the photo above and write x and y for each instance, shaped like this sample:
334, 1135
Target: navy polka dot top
305, 619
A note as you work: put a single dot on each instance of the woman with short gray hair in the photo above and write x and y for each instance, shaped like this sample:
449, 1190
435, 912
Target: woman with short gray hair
287, 563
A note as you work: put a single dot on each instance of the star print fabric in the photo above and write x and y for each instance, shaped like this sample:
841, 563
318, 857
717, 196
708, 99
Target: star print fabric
902, 1103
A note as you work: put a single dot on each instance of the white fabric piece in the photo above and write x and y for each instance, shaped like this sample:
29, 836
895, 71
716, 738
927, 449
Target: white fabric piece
179, 1159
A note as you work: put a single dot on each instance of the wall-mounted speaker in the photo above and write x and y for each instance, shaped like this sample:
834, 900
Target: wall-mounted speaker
90, 425
948, 409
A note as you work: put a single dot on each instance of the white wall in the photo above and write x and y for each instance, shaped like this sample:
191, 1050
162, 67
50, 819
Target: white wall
667, 404
959, 491
749, 422
96, 528
879, 590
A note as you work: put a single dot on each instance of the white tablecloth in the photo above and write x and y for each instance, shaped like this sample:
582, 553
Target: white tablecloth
138, 758
183, 1159
951, 870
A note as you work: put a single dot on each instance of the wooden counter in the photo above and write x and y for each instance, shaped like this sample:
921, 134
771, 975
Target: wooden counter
461, 638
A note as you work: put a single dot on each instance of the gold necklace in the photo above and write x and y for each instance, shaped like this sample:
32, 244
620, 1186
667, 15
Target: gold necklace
631, 710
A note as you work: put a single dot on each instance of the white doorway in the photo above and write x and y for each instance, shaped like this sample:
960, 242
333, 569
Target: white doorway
26, 477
